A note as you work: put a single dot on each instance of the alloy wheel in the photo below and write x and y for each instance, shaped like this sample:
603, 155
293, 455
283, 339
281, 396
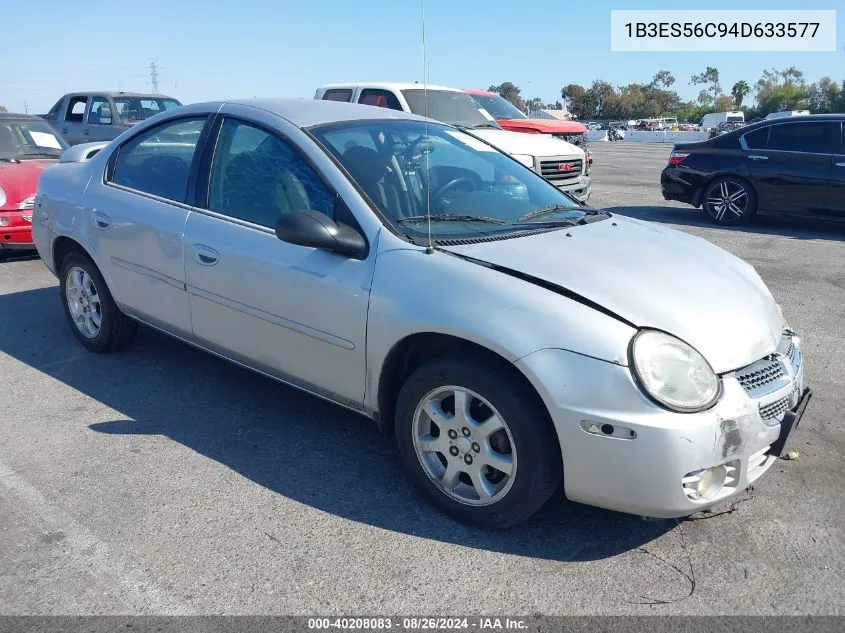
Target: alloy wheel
464, 445
83, 301
726, 201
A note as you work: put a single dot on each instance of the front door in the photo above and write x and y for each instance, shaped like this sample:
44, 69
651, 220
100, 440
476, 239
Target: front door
137, 221
792, 165
294, 312
74, 119
837, 178
100, 121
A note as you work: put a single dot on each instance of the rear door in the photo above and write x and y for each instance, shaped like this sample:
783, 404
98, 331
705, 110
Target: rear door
791, 164
74, 119
837, 182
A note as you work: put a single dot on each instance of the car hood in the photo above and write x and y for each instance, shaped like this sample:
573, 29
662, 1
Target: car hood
544, 126
20, 180
654, 277
531, 144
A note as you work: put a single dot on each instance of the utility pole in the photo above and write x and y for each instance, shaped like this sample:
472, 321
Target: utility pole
25, 107
154, 75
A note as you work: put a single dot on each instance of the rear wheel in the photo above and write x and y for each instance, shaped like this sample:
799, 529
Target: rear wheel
729, 200
477, 442
92, 314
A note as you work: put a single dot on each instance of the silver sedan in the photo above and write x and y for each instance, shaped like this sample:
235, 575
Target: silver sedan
509, 336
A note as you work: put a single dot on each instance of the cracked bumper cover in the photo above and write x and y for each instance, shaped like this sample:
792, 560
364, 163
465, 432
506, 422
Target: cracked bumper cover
641, 472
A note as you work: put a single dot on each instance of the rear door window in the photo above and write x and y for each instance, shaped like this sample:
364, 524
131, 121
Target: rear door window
338, 94
815, 137
758, 139
380, 98
158, 161
75, 109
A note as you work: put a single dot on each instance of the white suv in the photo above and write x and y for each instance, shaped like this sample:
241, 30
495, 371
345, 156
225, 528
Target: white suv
559, 162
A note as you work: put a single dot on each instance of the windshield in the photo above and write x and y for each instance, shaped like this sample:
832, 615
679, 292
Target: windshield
29, 139
140, 108
469, 187
499, 107
735, 119
454, 108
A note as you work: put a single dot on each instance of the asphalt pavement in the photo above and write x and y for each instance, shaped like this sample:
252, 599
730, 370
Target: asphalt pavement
161, 480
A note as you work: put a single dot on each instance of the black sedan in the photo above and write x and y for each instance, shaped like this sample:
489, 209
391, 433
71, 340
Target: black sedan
794, 166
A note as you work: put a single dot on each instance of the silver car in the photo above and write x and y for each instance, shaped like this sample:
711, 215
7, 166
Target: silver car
509, 336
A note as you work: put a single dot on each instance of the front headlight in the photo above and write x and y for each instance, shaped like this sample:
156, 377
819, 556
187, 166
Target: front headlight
673, 373
525, 159
2, 196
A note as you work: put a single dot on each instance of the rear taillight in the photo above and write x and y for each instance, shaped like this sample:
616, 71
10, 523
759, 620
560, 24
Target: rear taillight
676, 158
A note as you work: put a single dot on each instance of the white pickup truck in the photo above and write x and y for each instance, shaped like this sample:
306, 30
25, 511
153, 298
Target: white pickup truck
559, 162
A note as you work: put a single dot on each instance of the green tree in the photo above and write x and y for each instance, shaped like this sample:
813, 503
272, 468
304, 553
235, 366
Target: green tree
575, 97
710, 79
781, 90
663, 78
3, 109
739, 92
509, 91
534, 104
724, 103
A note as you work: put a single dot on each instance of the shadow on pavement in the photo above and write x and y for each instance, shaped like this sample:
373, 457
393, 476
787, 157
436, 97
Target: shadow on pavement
289, 442
793, 228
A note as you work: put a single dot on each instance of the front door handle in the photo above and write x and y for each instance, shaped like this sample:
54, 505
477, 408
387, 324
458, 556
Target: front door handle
205, 255
101, 221
757, 157
86, 132
840, 164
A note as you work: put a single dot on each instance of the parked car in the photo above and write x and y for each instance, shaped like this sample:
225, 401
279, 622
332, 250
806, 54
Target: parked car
28, 146
561, 163
83, 117
793, 166
509, 117
403, 269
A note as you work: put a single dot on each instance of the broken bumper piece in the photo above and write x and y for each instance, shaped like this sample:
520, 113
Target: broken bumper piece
628, 454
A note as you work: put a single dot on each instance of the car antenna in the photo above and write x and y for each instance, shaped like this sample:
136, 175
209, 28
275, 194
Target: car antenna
430, 248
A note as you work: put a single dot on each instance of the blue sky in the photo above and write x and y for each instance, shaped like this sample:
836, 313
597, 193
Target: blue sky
283, 48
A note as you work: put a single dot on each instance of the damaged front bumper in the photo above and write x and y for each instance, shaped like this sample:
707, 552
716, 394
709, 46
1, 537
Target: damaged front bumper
622, 452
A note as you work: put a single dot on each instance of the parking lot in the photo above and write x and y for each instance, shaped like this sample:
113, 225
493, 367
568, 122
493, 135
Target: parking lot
163, 480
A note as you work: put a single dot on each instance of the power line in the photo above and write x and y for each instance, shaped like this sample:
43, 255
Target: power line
154, 75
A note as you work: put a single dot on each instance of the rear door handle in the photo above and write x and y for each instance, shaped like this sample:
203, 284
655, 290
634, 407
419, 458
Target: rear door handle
101, 220
205, 255
757, 157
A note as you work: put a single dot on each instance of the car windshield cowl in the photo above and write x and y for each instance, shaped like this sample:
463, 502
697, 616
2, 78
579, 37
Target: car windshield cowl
449, 217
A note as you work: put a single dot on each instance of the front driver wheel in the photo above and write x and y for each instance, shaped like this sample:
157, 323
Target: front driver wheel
477, 441
729, 200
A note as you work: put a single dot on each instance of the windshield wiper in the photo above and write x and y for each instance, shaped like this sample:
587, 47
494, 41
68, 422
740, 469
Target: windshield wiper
556, 208
33, 154
10, 159
450, 217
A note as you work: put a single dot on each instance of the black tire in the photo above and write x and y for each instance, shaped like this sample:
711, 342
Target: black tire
539, 469
739, 211
116, 330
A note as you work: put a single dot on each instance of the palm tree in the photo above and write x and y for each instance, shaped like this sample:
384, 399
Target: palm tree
739, 91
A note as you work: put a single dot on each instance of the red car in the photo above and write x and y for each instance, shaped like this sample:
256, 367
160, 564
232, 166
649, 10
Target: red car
28, 146
510, 118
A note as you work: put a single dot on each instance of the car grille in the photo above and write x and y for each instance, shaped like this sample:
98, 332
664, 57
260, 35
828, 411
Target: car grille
774, 410
561, 169
760, 374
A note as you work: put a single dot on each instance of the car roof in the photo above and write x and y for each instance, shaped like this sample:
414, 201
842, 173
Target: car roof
116, 94
12, 116
306, 113
388, 85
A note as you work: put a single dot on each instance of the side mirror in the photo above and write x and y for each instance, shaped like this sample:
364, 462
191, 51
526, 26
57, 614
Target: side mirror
317, 230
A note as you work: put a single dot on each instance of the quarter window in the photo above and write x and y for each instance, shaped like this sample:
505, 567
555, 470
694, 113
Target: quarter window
75, 109
757, 139
256, 177
815, 137
158, 161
